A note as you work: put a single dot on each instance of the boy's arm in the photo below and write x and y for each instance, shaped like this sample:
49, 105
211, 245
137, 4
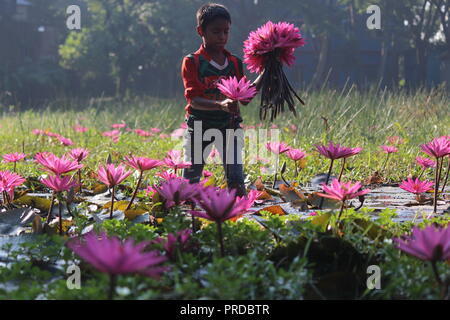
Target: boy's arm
207, 104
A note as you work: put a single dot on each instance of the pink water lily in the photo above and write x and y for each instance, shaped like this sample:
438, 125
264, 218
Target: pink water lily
173, 160
8, 182
220, 205
65, 141
114, 257
112, 176
80, 129
336, 151
207, 173
389, 149
241, 90
143, 133
58, 183
150, 191
430, 243
38, 132
55, 164
13, 157
177, 191
166, 175
425, 162
78, 154
246, 202
111, 134
277, 147
296, 154
142, 163
416, 186
342, 191
178, 241
118, 125
178, 132
437, 148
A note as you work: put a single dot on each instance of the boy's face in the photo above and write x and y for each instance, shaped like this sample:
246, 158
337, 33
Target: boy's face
216, 34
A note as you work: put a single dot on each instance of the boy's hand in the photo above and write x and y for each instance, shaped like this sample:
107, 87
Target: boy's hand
229, 105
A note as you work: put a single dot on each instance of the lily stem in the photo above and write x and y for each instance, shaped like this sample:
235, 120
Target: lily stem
112, 203
50, 209
112, 286
446, 175
276, 171
342, 169
60, 217
421, 174
219, 231
326, 183
384, 165
135, 190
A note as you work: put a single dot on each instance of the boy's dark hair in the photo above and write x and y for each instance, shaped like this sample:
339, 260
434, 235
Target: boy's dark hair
209, 12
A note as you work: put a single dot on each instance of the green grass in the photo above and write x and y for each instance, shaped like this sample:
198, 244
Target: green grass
348, 117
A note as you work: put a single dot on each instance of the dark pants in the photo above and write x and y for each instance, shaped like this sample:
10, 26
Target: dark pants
229, 143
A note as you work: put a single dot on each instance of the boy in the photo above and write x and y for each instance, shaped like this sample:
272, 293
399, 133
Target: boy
207, 108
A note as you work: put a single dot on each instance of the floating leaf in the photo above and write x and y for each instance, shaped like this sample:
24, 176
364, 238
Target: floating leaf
259, 184
290, 194
118, 205
264, 196
53, 228
34, 202
132, 214
277, 210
